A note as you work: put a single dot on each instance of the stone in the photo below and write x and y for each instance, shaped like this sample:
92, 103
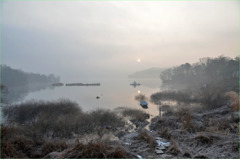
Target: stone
159, 151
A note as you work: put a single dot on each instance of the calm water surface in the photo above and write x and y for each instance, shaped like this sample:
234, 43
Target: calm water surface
112, 93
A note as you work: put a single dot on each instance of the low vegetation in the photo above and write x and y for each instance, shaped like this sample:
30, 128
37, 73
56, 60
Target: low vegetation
210, 97
97, 150
29, 112
135, 114
179, 96
143, 134
234, 97
174, 149
15, 145
213, 132
61, 118
165, 133
34, 129
141, 97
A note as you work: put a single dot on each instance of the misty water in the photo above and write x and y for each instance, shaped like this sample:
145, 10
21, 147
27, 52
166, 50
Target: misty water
113, 94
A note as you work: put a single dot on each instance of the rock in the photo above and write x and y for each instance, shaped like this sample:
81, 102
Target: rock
159, 138
165, 144
161, 147
55, 155
159, 151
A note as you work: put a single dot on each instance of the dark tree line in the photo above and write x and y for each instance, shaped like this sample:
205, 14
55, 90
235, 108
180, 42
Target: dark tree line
14, 77
205, 82
205, 71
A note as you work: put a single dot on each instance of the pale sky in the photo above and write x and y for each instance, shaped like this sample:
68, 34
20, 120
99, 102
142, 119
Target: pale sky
89, 39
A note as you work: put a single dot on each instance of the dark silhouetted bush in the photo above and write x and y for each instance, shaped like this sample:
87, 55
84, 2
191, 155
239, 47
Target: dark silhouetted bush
62, 118
26, 113
143, 134
174, 149
234, 97
53, 146
96, 150
140, 97
135, 114
165, 133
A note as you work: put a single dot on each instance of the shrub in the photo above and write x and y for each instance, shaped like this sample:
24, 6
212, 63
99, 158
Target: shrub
168, 110
26, 113
212, 97
105, 118
27, 138
66, 125
235, 146
96, 150
61, 118
8, 151
165, 133
135, 114
146, 136
187, 123
203, 139
234, 97
140, 97
183, 111
174, 149
179, 96
15, 143
52, 147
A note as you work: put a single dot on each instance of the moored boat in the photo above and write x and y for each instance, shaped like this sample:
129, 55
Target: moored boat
144, 104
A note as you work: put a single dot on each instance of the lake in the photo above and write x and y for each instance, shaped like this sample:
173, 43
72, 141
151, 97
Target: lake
112, 93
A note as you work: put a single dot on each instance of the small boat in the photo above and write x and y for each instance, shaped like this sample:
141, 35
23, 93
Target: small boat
144, 104
97, 97
135, 84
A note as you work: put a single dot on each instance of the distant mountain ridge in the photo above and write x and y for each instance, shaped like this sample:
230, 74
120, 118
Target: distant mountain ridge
148, 73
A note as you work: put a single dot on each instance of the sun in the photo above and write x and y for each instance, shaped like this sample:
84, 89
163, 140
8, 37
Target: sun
138, 60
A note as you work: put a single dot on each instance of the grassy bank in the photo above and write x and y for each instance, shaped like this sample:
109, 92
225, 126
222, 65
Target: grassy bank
34, 129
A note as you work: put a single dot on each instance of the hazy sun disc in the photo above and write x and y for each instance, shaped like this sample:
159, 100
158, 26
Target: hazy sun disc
138, 60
